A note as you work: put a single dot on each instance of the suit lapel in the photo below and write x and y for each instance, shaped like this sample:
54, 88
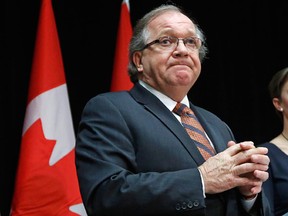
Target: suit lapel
213, 132
158, 109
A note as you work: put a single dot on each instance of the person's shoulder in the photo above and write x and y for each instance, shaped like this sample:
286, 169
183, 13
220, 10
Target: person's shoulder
276, 142
106, 99
109, 95
267, 144
271, 146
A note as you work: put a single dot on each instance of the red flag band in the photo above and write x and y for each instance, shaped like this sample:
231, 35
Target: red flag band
120, 78
46, 181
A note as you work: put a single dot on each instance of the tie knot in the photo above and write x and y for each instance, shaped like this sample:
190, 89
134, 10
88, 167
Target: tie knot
181, 109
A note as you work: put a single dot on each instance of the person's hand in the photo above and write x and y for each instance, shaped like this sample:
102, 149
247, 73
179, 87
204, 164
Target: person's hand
259, 175
241, 165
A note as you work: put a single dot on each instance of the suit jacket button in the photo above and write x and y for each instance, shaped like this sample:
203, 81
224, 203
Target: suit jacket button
184, 205
190, 204
196, 203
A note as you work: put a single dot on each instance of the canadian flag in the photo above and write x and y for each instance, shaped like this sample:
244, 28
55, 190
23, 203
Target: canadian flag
46, 181
120, 78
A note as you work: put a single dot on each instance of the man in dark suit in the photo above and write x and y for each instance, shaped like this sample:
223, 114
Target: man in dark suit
133, 155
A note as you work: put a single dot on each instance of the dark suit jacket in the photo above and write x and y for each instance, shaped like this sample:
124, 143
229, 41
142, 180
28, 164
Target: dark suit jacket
133, 158
276, 187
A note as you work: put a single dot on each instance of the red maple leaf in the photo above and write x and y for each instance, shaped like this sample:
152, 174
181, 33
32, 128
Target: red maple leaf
42, 189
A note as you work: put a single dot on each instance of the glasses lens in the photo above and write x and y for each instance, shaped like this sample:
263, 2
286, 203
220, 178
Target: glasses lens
169, 43
192, 43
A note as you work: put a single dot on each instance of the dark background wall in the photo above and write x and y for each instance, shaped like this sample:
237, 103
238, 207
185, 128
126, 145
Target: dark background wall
247, 42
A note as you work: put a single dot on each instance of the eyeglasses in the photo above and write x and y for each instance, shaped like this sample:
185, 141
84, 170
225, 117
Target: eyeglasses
169, 43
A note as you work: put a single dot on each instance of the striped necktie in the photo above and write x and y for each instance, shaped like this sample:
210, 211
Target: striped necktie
194, 129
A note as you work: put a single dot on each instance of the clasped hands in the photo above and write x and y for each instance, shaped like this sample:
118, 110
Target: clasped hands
241, 165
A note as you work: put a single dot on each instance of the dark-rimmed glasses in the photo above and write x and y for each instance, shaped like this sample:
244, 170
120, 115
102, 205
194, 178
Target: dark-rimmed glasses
169, 43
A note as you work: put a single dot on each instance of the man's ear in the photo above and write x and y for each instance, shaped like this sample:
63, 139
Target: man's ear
137, 60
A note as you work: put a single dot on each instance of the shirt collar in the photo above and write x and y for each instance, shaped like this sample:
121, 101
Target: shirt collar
168, 102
